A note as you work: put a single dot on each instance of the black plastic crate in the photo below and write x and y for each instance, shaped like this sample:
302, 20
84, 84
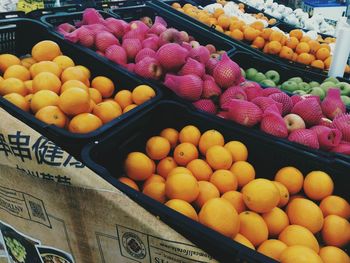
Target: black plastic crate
265, 154
117, 4
38, 13
12, 14
17, 38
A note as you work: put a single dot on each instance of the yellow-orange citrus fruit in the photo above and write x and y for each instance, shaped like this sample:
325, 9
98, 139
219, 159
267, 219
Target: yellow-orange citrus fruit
165, 166
107, 111
299, 235
18, 100
207, 191
45, 66
291, 178
52, 115
336, 231
42, 99
236, 199
154, 178
74, 73
180, 170
157, 147
284, 194
123, 98
138, 166
253, 227
224, 180
156, 191
210, 138
190, 134
184, 153
183, 207
171, 135
244, 172
318, 185
276, 220
75, 84
331, 254
64, 62
300, 254
182, 186
243, 240
238, 151
84, 123
272, 248
104, 85
12, 85
45, 50
18, 72
142, 94
129, 182
46, 81
129, 108
335, 205
200, 169
7, 60
74, 101
218, 157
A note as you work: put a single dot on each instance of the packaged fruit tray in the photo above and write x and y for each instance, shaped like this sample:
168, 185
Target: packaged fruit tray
281, 52
253, 156
17, 38
38, 13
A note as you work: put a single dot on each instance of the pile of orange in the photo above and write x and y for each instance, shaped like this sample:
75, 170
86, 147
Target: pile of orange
210, 181
295, 47
58, 92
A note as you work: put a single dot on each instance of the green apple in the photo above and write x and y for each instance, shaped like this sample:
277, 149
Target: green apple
304, 86
296, 79
289, 86
344, 88
346, 100
273, 75
250, 73
243, 72
268, 83
327, 85
259, 77
317, 91
314, 84
299, 92
331, 79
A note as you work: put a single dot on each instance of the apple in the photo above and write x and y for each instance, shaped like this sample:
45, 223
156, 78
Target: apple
299, 92
147, 20
194, 43
317, 91
273, 75
327, 85
304, 86
268, 83
289, 86
331, 79
259, 77
211, 48
250, 73
294, 122
344, 88
314, 84
171, 35
215, 55
183, 36
296, 79
346, 100
243, 73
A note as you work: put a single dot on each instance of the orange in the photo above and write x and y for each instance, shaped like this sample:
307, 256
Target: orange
297, 33
284, 40
237, 25
304, 58
244, 172
238, 151
299, 235
274, 47
286, 53
257, 25
272, 21
210, 138
276, 220
291, 178
166, 165
154, 178
220, 215
74, 101
176, 5
184, 153
75, 84
129, 182
305, 39
261, 195
236, 199
207, 191
42, 99
29, 85
7, 60
211, 21
294, 57
305, 213
314, 46
336, 231
138, 166
219, 28
250, 33
237, 34
284, 194
302, 47
218, 12
171, 135
327, 62
259, 42
85, 70
180, 170
18, 100
300, 254
318, 64
265, 34
12, 85
95, 95
347, 69
322, 53
190, 134
46, 81
292, 42
224, 180
18, 72
200, 169
253, 227
157, 148
28, 62
183, 207
156, 191
142, 94
243, 240
335, 205
84, 123
52, 115
218, 157
104, 85
63, 62
318, 185
45, 66
107, 111
224, 21
28, 98
129, 108
276, 36
272, 248
123, 98
331, 254
74, 73
45, 50
182, 186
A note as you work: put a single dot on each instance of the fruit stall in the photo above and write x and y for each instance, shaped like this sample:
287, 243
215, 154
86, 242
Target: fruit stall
173, 131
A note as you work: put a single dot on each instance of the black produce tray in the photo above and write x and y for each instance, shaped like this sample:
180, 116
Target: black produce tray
17, 38
38, 13
12, 14
103, 5
266, 154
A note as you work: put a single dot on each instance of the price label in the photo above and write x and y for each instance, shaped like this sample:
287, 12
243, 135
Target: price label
29, 5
